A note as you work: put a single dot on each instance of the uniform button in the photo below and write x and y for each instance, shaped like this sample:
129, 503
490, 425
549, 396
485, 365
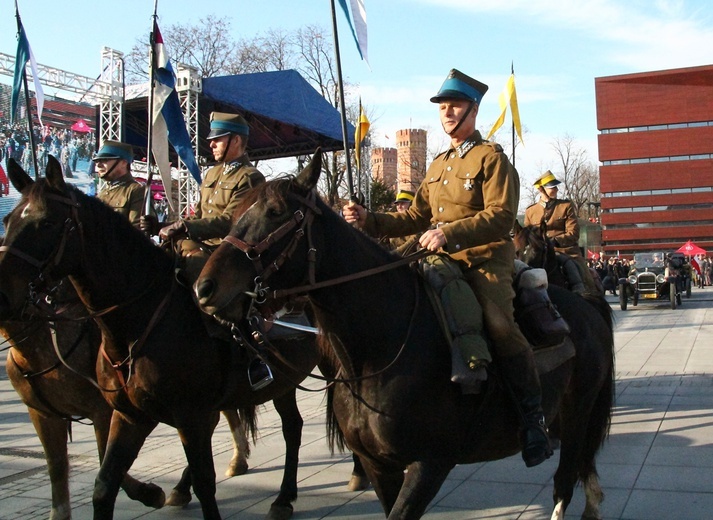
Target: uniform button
440, 210
210, 201
453, 156
445, 182
210, 211
431, 178
467, 174
457, 246
449, 168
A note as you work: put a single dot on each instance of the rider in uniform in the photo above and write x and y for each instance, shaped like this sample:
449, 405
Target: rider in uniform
120, 191
467, 205
562, 227
222, 190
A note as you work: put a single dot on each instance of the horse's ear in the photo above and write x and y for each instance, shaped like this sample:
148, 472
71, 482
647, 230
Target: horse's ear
309, 176
19, 179
53, 172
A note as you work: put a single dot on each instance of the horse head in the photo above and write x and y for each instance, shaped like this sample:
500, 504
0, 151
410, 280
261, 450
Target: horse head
532, 245
271, 228
40, 232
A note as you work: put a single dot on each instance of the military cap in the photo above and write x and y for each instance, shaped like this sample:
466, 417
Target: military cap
460, 86
115, 150
547, 180
222, 124
404, 196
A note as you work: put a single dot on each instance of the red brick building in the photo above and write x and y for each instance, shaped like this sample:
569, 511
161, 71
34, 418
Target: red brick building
656, 154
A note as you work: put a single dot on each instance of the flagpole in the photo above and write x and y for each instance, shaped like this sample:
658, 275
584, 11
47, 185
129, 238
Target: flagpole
152, 68
28, 106
343, 110
512, 71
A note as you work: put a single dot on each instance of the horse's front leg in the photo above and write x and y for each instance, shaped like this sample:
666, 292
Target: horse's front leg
196, 433
52, 432
292, 423
126, 437
421, 484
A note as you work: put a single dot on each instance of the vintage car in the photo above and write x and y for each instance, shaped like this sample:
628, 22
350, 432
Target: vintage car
653, 276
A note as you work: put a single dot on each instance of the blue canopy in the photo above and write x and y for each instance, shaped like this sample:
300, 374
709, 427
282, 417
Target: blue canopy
287, 116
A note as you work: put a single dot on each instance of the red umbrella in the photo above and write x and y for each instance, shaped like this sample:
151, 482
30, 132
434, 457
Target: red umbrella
81, 126
690, 249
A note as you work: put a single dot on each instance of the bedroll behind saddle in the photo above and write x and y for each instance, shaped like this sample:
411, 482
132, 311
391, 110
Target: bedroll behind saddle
537, 317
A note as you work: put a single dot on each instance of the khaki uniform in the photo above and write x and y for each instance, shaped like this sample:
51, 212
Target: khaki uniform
472, 194
126, 196
221, 192
563, 228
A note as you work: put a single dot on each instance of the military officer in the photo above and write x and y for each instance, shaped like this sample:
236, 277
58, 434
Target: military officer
467, 205
402, 203
562, 225
223, 187
120, 191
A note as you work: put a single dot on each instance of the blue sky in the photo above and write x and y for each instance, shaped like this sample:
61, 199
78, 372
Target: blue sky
557, 47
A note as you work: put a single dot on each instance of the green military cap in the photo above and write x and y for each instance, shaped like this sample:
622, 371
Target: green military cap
115, 150
222, 124
460, 86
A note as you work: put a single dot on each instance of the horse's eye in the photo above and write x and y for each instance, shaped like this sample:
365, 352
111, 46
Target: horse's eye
273, 212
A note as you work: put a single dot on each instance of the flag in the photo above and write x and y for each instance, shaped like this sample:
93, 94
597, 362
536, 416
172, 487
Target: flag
361, 130
24, 53
360, 34
508, 97
168, 122
696, 265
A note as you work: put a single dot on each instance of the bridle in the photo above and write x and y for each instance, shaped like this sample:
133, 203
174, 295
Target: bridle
40, 290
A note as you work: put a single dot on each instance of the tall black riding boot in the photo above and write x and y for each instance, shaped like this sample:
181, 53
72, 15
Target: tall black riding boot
521, 378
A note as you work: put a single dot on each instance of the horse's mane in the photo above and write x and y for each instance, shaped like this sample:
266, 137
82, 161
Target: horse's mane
275, 189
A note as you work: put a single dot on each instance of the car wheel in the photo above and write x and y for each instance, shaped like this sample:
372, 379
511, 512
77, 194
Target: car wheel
622, 297
635, 299
688, 288
672, 294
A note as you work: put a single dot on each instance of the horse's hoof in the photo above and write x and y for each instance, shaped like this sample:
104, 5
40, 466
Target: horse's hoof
152, 496
279, 512
178, 499
236, 469
358, 483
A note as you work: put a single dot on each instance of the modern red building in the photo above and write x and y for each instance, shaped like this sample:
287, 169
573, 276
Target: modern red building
656, 154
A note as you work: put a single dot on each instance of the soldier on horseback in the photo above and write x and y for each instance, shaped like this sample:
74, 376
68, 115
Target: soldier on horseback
560, 218
467, 204
223, 188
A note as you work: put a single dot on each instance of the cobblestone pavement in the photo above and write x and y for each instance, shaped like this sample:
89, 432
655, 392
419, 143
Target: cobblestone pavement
657, 463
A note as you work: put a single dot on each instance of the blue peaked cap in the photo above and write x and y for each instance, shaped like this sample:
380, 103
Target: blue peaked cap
223, 124
460, 86
115, 150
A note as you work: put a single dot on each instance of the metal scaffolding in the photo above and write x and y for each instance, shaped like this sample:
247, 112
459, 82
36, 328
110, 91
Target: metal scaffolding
188, 86
111, 118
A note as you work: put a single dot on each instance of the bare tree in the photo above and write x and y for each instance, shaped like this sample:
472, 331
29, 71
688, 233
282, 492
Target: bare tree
579, 176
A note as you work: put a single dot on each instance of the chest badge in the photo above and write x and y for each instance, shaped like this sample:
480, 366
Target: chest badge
468, 185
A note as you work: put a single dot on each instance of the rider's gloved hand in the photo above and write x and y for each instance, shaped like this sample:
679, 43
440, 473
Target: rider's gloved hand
149, 224
173, 231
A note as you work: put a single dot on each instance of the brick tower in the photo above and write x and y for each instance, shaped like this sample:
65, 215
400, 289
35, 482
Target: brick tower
383, 166
411, 147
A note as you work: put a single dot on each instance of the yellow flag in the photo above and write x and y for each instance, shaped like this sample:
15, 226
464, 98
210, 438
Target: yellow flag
362, 128
508, 97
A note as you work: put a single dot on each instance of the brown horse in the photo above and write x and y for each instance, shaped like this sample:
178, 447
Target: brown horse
156, 363
397, 407
55, 396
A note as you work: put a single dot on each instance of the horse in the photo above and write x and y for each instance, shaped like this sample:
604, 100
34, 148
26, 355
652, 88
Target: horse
56, 396
394, 401
536, 249
156, 363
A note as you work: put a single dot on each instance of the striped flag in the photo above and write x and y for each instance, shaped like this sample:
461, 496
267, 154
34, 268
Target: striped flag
362, 128
168, 122
508, 97
24, 53
359, 26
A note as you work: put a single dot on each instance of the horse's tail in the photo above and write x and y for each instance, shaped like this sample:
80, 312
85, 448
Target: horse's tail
248, 416
601, 413
335, 436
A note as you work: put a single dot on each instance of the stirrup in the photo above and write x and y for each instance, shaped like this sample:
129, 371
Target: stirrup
266, 378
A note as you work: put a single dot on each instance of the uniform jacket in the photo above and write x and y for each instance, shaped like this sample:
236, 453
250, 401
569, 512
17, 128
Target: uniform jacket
222, 189
126, 196
562, 224
471, 193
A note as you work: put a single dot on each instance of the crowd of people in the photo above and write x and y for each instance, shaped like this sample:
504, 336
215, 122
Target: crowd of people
67, 146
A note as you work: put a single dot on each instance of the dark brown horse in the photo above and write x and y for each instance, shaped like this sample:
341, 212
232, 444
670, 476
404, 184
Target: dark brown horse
397, 407
157, 362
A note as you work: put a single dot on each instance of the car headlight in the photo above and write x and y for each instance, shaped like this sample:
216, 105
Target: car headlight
632, 279
660, 278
